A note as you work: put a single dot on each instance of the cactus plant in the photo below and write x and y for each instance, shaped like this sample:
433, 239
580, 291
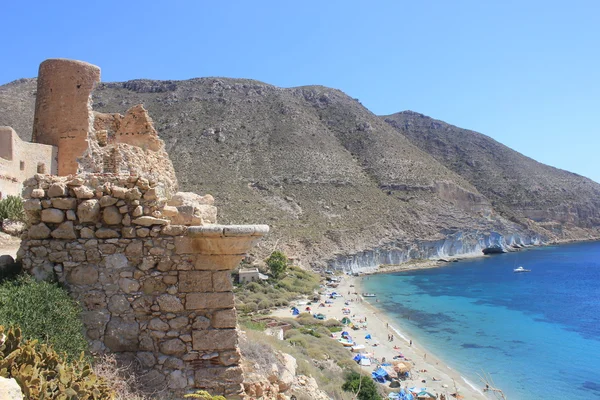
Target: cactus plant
44, 374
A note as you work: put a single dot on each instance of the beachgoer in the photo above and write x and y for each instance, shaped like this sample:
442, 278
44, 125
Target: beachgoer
410, 343
425, 356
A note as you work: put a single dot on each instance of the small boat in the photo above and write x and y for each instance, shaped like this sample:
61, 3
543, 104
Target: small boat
369, 295
521, 269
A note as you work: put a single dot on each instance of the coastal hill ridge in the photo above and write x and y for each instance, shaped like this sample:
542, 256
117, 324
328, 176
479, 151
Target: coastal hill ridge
331, 177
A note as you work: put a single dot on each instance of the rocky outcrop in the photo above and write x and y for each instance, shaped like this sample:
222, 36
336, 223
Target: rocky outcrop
10, 389
453, 245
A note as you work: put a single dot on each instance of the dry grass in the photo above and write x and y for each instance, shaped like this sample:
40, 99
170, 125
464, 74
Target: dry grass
122, 379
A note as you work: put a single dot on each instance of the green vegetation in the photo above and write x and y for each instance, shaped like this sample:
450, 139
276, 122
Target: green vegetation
317, 355
45, 312
43, 374
203, 395
277, 263
12, 208
361, 385
261, 295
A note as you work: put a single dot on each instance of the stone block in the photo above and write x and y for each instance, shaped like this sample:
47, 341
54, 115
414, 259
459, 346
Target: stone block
88, 211
37, 193
53, 215
111, 215
83, 275
64, 203
129, 285
173, 347
156, 324
122, 335
169, 303
222, 281
214, 339
118, 304
106, 233
87, 233
106, 201
195, 281
224, 319
64, 231
208, 301
58, 190
215, 245
39, 231
214, 377
217, 262
149, 221
116, 261
32, 205
83, 192
134, 249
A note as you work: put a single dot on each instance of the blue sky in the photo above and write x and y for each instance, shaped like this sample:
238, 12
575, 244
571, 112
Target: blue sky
526, 73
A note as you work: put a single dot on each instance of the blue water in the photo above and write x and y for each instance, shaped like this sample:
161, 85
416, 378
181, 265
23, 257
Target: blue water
537, 334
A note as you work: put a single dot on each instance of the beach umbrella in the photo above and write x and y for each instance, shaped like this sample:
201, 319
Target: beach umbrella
368, 336
346, 321
401, 367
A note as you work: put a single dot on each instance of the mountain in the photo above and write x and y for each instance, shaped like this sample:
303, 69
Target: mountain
518, 186
330, 177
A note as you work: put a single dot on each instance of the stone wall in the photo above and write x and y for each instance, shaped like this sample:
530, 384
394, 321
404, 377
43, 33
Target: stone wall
20, 160
151, 290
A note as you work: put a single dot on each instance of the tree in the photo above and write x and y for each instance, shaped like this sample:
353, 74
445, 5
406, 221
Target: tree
362, 386
277, 263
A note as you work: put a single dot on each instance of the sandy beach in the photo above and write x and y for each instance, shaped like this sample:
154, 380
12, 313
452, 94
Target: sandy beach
425, 366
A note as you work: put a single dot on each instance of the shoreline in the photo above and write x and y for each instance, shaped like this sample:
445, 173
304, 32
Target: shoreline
465, 387
425, 365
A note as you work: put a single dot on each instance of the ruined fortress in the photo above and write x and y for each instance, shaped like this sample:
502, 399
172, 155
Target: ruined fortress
149, 265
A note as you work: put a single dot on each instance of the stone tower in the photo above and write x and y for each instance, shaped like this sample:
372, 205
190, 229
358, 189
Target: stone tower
63, 111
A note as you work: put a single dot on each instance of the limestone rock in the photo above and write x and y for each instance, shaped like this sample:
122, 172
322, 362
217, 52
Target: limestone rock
83, 275
149, 221
13, 227
88, 211
10, 389
83, 192
116, 261
287, 372
64, 203
38, 193
106, 201
177, 380
53, 215
105, 233
169, 303
57, 190
122, 335
32, 205
64, 231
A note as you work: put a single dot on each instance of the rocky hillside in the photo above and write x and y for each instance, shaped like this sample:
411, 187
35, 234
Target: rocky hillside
518, 186
329, 176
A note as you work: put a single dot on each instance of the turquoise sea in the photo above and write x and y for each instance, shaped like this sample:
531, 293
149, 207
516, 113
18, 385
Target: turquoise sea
537, 334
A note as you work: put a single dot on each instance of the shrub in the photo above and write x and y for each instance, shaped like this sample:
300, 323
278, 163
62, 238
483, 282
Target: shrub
361, 385
43, 374
45, 312
277, 263
203, 395
12, 208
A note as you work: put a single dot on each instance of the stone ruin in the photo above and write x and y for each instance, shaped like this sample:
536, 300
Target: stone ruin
150, 266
